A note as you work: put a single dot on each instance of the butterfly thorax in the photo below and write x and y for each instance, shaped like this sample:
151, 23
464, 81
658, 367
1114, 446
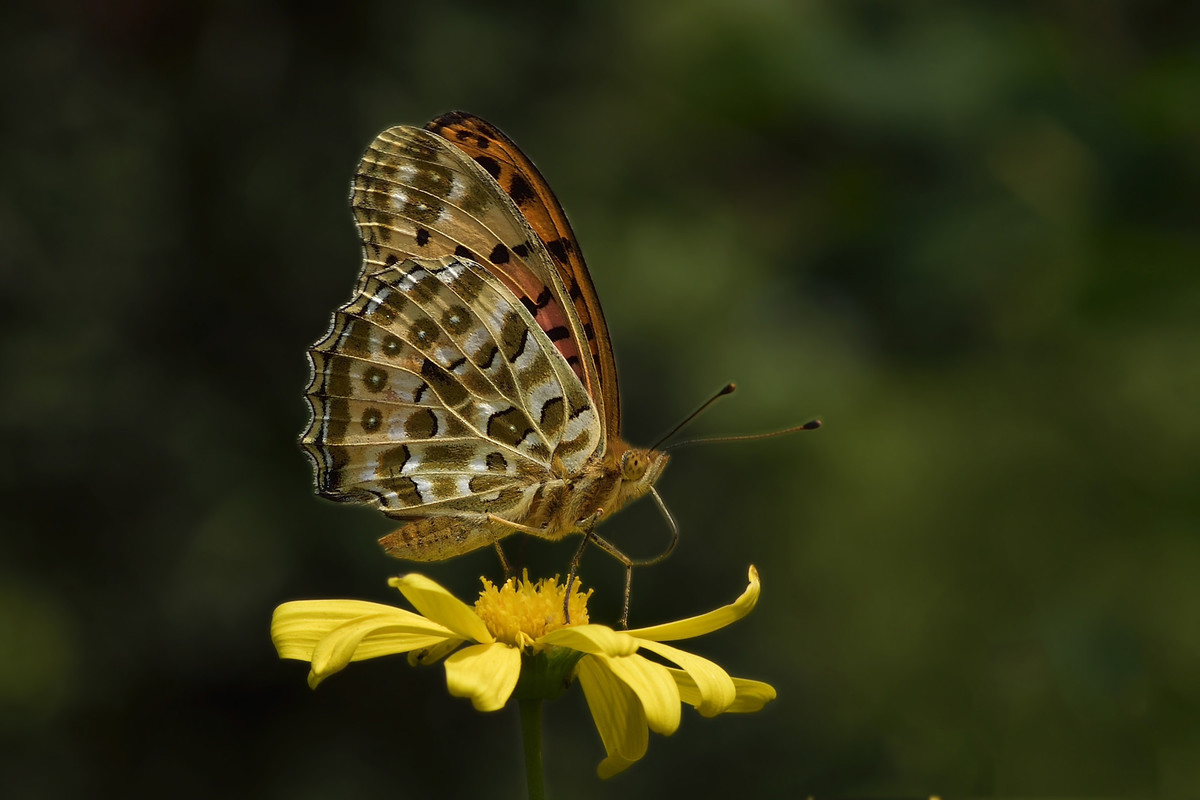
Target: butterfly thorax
606, 485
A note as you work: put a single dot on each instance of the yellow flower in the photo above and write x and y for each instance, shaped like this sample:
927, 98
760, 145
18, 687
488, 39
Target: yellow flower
520, 642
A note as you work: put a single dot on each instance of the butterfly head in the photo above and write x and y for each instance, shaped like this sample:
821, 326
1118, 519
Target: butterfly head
639, 471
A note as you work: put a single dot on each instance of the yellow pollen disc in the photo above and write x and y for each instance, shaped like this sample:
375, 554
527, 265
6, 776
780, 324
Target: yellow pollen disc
521, 611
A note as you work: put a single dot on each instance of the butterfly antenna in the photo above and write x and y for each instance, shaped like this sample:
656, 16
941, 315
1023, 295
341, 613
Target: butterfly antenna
811, 425
724, 390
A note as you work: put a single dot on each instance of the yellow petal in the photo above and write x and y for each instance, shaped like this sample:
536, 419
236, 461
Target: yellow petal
486, 673
618, 715
592, 639
349, 642
715, 687
751, 695
654, 687
297, 627
614, 765
434, 654
442, 607
705, 623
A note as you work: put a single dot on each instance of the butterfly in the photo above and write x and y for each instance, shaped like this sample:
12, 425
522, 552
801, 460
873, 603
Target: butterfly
469, 389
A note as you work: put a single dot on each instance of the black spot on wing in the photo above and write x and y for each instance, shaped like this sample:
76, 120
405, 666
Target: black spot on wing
499, 255
559, 248
481, 141
448, 388
422, 424
489, 164
457, 320
371, 420
513, 337
374, 379
485, 358
406, 490
485, 483
509, 426
391, 461
465, 252
424, 333
520, 190
552, 414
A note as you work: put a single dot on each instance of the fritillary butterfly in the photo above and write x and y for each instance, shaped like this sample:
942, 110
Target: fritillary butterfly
468, 388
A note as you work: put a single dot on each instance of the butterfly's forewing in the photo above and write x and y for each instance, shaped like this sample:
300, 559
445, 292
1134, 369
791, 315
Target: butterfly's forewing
434, 393
524, 184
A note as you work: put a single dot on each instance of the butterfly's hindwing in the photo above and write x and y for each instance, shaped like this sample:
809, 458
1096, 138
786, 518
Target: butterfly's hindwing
435, 392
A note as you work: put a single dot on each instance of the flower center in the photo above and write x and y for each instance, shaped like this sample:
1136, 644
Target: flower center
520, 611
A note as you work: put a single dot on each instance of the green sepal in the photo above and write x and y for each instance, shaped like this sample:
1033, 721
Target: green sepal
546, 675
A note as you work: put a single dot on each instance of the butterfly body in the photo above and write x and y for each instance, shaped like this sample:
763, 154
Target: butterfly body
559, 507
468, 388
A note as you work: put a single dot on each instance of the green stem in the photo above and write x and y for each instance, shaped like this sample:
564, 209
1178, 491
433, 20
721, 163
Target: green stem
531, 734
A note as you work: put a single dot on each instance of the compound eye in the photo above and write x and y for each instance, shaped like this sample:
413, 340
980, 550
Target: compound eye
633, 466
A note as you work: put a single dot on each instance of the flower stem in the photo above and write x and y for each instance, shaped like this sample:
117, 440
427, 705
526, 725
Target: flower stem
531, 734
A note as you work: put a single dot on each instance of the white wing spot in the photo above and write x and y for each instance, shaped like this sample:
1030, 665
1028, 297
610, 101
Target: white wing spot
578, 424
376, 301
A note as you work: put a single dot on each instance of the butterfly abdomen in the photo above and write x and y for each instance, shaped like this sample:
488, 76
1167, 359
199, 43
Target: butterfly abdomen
439, 538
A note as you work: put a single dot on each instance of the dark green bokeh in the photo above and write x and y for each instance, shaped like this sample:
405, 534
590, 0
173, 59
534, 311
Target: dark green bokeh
965, 235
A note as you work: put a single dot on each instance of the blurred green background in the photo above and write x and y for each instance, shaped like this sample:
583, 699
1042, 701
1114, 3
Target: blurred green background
963, 234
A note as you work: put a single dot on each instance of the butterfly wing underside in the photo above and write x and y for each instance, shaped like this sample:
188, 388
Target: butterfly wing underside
459, 383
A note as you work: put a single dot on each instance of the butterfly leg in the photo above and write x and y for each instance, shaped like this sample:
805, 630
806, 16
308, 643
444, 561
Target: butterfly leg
588, 526
508, 573
629, 563
572, 573
516, 526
